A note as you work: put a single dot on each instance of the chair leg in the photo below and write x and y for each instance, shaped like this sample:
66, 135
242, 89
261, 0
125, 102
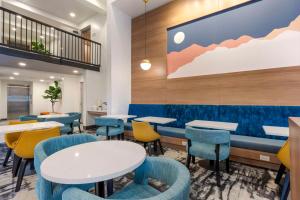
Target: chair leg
123, 136
188, 161
155, 146
217, 165
211, 163
286, 187
32, 165
160, 147
16, 165
8, 153
193, 159
119, 137
280, 172
145, 145
21, 174
79, 129
149, 149
227, 165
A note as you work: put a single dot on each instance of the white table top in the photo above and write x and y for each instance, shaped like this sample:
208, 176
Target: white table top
119, 116
26, 127
52, 116
156, 120
276, 131
93, 162
213, 124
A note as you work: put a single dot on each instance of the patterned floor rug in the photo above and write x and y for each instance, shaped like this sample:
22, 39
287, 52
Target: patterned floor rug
242, 183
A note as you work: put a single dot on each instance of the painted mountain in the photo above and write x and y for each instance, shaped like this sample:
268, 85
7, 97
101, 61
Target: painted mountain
261, 34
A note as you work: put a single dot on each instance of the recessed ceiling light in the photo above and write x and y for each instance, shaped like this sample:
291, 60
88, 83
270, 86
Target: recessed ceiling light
16, 73
22, 64
72, 14
19, 16
52, 77
13, 29
11, 78
75, 72
42, 80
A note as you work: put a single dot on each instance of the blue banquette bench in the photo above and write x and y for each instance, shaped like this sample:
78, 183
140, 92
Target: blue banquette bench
249, 134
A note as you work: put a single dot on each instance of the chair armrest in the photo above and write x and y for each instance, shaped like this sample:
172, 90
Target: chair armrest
77, 194
10, 138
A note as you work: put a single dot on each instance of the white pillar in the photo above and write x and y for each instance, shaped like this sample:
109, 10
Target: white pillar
119, 59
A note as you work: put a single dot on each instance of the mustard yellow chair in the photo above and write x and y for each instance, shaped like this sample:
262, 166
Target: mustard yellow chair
11, 138
284, 156
24, 148
143, 132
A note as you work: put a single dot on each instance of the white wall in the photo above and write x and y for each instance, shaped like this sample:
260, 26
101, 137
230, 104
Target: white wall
39, 104
95, 83
3, 100
119, 59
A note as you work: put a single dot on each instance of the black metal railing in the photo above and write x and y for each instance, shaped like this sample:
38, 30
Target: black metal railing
27, 34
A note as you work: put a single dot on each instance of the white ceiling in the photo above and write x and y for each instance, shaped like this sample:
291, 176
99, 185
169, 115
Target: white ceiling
34, 70
135, 8
62, 8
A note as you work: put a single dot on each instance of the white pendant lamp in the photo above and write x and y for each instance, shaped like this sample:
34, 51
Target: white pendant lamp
145, 64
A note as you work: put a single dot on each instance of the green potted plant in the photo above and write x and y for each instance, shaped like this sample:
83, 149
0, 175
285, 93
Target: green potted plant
39, 47
53, 93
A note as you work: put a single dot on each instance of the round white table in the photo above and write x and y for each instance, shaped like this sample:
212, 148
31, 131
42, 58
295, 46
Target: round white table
93, 162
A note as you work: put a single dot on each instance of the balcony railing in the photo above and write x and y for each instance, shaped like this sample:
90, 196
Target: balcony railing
29, 35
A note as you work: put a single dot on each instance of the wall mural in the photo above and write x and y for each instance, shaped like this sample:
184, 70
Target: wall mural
260, 34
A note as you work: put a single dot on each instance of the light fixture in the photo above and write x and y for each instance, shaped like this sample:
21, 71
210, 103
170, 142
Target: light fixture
72, 14
16, 73
52, 77
42, 80
145, 64
22, 64
11, 78
75, 72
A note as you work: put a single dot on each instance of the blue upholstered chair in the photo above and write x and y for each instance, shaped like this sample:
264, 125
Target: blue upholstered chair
67, 121
28, 117
168, 171
110, 127
46, 190
77, 116
213, 145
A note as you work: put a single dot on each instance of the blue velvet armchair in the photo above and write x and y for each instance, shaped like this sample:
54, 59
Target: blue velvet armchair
213, 145
168, 171
46, 190
28, 117
68, 123
77, 116
110, 127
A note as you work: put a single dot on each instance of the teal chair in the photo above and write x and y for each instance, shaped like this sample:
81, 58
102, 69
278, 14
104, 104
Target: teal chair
110, 127
45, 189
68, 124
28, 117
213, 145
77, 122
168, 171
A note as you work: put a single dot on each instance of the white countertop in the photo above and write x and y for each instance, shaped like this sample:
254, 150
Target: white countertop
26, 127
276, 131
120, 116
93, 162
213, 125
52, 116
156, 120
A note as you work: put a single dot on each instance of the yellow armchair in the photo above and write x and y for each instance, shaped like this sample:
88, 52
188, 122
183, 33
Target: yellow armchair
10, 139
143, 132
24, 148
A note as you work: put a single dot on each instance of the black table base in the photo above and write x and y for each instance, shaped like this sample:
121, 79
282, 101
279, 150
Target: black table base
100, 188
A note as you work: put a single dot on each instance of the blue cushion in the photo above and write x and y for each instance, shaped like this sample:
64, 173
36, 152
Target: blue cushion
76, 124
171, 131
255, 143
135, 191
112, 131
65, 130
207, 151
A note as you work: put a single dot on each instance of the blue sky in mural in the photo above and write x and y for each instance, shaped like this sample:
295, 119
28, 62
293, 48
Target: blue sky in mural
256, 20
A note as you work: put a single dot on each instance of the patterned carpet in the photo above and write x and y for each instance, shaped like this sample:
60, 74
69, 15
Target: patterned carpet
242, 183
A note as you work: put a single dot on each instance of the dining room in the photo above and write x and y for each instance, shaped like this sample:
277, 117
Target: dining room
187, 99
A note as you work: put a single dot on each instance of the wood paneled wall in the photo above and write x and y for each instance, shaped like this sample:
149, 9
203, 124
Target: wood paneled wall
263, 87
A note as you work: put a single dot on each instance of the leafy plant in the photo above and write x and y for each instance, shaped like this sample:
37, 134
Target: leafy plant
39, 47
53, 93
